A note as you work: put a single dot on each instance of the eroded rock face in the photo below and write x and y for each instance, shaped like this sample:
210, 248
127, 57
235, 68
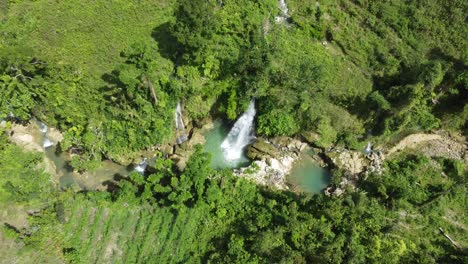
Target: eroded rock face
352, 162
274, 160
435, 145
183, 151
311, 137
271, 172
25, 137
262, 150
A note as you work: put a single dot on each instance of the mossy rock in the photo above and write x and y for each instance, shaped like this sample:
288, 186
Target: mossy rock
262, 149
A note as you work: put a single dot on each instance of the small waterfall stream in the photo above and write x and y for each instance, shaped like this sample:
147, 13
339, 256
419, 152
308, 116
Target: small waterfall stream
283, 17
141, 167
368, 148
46, 142
241, 135
284, 8
180, 126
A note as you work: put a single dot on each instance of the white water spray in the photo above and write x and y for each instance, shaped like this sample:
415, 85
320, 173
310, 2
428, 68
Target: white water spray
180, 127
47, 143
141, 167
284, 8
283, 17
43, 127
368, 148
241, 135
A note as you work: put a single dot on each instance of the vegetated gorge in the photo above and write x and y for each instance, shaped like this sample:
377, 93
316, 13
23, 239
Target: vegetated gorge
233, 131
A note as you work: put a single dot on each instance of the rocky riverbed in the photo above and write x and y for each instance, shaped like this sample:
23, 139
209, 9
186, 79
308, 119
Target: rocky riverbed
273, 158
273, 161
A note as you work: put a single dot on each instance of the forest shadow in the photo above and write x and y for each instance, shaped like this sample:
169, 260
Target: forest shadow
113, 89
439, 54
169, 47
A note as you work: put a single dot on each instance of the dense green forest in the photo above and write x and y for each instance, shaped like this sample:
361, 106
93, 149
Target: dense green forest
109, 74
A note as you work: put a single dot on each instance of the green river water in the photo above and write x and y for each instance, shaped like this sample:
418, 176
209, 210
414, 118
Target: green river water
305, 176
214, 137
90, 179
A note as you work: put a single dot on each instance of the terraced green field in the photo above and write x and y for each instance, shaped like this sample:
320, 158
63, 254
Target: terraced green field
122, 233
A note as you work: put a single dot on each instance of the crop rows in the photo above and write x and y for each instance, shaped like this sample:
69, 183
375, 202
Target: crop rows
113, 233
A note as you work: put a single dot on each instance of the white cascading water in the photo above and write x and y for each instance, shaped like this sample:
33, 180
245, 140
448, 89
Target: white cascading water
180, 127
284, 12
46, 142
368, 148
284, 8
43, 127
241, 135
141, 167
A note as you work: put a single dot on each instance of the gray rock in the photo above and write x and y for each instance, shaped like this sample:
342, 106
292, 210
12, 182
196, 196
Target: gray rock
262, 150
181, 150
196, 138
167, 149
352, 162
310, 137
54, 134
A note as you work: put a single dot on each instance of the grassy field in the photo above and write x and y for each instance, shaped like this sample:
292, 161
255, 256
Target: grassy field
123, 233
86, 34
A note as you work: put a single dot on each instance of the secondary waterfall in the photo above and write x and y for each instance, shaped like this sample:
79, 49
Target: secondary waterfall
46, 142
43, 127
368, 148
241, 134
180, 127
283, 17
141, 167
284, 8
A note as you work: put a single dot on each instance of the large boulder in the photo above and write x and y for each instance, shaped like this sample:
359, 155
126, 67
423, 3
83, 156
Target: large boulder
262, 150
166, 149
180, 161
289, 144
271, 172
26, 137
196, 138
310, 137
352, 162
54, 134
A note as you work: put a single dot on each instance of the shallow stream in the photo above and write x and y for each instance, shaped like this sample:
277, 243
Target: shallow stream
307, 176
88, 180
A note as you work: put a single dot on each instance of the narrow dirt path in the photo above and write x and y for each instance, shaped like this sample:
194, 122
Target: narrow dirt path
434, 145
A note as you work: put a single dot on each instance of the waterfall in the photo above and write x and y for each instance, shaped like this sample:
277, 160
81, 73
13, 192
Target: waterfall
141, 167
283, 17
46, 142
241, 134
43, 127
368, 148
284, 8
180, 127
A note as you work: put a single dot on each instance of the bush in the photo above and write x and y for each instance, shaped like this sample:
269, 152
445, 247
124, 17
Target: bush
277, 123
